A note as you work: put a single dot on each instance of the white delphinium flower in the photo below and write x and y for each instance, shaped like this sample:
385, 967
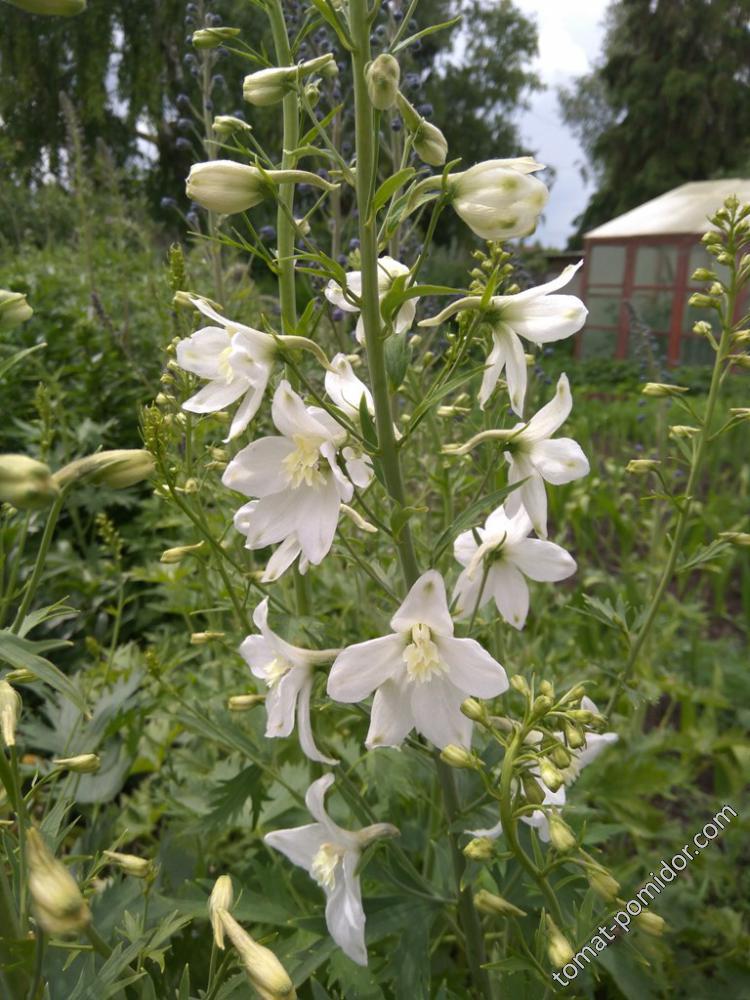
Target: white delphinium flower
345, 389
536, 458
297, 479
534, 314
499, 563
594, 745
499, 199
288, 673
388, 270
420, 673
331, 857
236, 359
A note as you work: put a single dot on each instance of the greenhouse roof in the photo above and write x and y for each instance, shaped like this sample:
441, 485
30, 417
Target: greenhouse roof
684, 210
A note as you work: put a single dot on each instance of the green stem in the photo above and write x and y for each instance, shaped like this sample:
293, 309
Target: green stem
41, 556
10, 590
686, 507
211, 151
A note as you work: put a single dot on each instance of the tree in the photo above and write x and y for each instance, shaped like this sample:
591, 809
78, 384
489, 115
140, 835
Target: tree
668, 103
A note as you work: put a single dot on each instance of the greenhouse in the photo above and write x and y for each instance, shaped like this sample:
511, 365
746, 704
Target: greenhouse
646, 257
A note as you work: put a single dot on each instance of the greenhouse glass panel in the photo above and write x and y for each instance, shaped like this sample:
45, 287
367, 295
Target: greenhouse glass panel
607, 265
604, 310
656, 265
654, 309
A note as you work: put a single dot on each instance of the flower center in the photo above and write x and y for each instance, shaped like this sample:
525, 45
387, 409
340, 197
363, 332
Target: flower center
302, 464
225, 365
490, 546
275, 670
421, 656
323, 867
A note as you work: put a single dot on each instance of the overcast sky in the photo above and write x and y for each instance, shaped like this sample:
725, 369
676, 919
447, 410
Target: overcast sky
570, 39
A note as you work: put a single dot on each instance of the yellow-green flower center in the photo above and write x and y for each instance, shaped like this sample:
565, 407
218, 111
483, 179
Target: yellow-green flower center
323, 867
301, 465
421, 656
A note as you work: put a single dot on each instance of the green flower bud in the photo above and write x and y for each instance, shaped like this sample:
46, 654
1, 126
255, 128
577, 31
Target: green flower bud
14, 309
244, 702
212, 38
663, 389
602, 883
574, 735
130, 864
117, 469
683, 431
547, 689
560, 757
518, 683
178, 553
264, 970
531, 789
221, 898
226, 125
383, 77
26, 483
456, 756
10, 710
741, 360
56, 8
549, 774
82, 763
201, 638
558, 947
739, 538
480, 849
429, 142
490, 902
561, 836
651, 923
542, 704
474, 710
59, 906
640, 466
20, 676
703, 274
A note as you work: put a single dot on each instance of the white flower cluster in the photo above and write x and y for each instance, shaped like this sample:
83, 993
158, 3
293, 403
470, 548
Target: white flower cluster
297, 480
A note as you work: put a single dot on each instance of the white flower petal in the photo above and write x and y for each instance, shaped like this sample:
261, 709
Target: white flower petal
563, 278
257, 652
464, 547
541, 560
215, 396
595, 743
552, 415
515, 527
533, 496
511, 593
316, 527
516, 373
257, 470
335, 293
345, 389
391, 718
304, 725
345, 916
436, 707
247, 409
315, 801
274, 518
200, 352
559, 461
360, 668
425, 604
299, 844
466, 593
281, 702
492, 833
282, 559
291, 416
471, 668
548, 319
493, 366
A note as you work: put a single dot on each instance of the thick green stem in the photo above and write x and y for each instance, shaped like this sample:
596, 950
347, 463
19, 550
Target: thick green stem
368, 248
683, 517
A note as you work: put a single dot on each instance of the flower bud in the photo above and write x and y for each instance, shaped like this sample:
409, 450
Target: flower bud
312, 93
269, 86
549, 774
59, 906
703, 274
558, 946
226, 186
221, 898
602, 883
265, 971
212, 38
456, 756
542, 704
702, 328
383, 77
663, 389
474, 710
683, 431
650, 923
584, 716
531, 789
574, 735
14, 309
741, 360
560, 757
701, 301
428, 141
26, 483
640, 466
226, 125
82, 763
10, 710
499, 199
490, 902
518, 683
116, 469
178, 554
20, 676
56, 8
740, 336
131, 864
739, 538
479, 849
561, 836
244, 702
547, 689
201, 638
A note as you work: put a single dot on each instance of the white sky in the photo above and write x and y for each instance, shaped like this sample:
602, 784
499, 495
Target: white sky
570, 40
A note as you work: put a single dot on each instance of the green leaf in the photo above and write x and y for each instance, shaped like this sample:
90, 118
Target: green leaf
329, 15
22, 654
423, 34
308, 137
368, 427
401, 515
397, 356
389, 187
232, 795
16, 358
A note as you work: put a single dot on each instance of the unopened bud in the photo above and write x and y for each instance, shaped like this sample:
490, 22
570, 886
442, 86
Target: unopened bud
116, 469
265, 971
561, 836
740, 538
428, 141
700, 301
383, 77
59, 906
178, 554
10, 710
518, 683
212, 38
532, 790
26, 483
221, 898
547, 689
82, 763
312, 93
574, 735
456, 756
474, 710
550, 774
542, 704
244, 702
640, 466
131, 864
558, 947
560, 757
201, 638
650, 923
741, 337
683, 431
602, 883
702, 328
703, 274
226, 125
20, 676
584, 716
356, 518
741, 360
663, 389
480, 849
490, 902
14, 309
